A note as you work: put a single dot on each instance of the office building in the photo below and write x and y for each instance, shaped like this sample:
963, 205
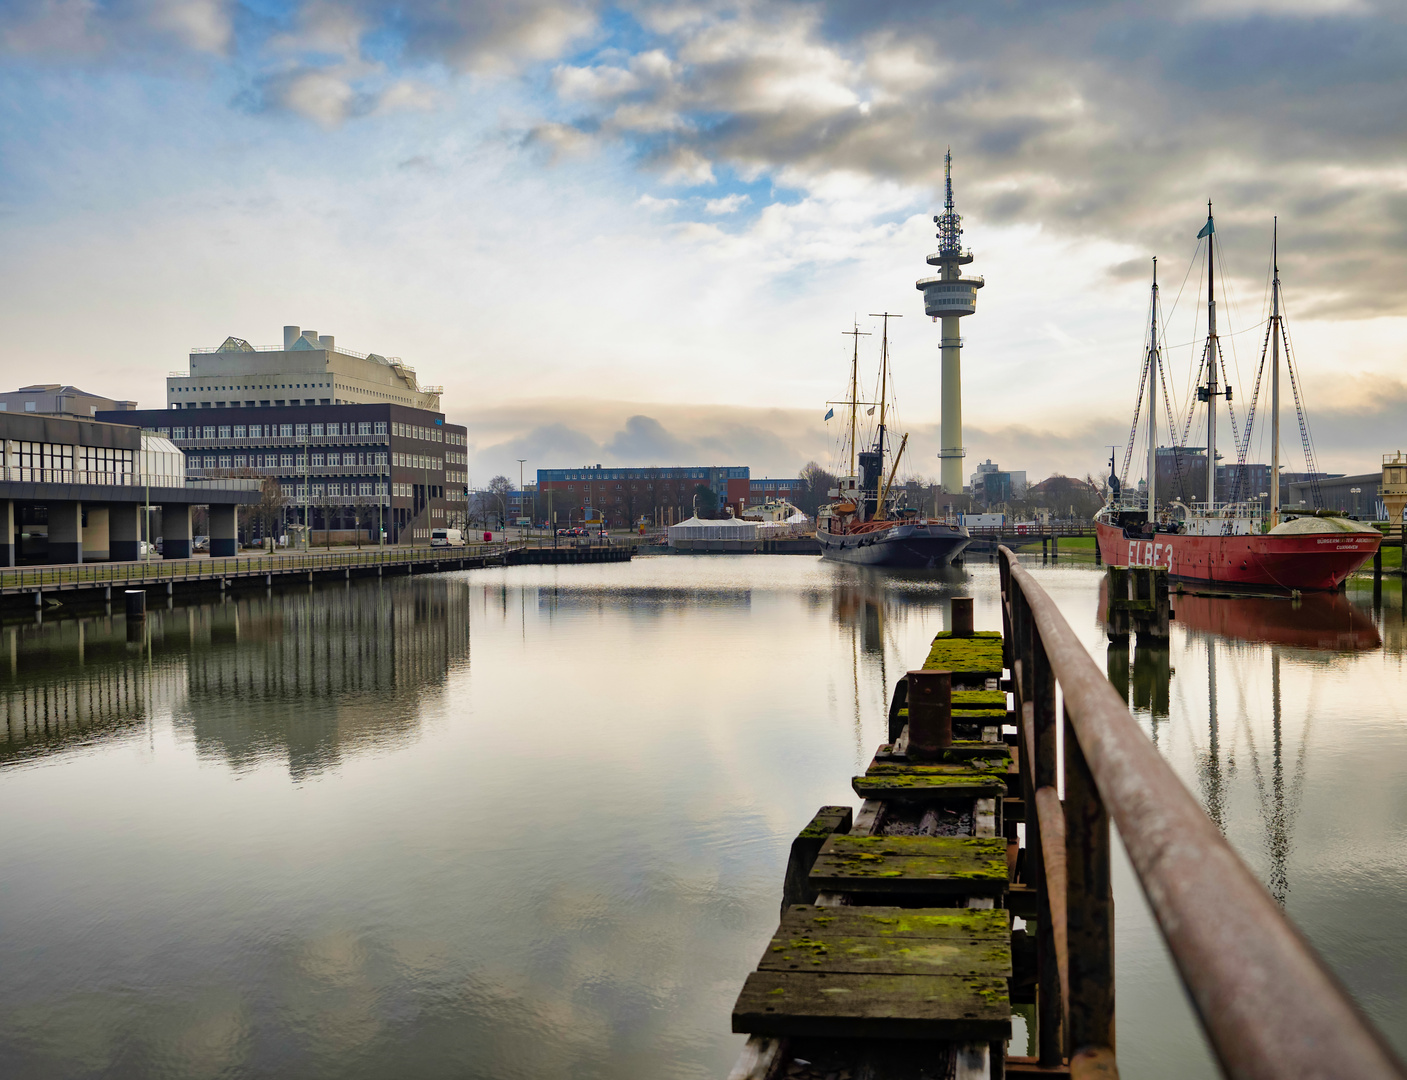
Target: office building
768, 490
74, 490
307, 369
55, 399
625, 496
992, 485
347, 470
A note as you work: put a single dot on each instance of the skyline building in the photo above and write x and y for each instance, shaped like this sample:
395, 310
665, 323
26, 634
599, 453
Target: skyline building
307, 369
949, 296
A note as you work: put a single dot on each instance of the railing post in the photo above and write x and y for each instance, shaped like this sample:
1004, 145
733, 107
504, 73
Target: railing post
1090, 907
1051, 1021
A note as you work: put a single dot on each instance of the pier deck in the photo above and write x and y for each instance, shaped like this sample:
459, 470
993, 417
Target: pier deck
974, 884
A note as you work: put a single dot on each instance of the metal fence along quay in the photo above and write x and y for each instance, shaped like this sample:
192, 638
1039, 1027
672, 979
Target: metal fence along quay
158, 572
1269, 1006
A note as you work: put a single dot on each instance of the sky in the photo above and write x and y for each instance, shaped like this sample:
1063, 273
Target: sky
633, 233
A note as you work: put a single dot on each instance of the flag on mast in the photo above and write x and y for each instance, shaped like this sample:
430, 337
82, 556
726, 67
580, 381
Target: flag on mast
1207, 229
829, 413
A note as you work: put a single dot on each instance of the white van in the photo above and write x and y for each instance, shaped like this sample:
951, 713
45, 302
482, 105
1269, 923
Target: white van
446, 538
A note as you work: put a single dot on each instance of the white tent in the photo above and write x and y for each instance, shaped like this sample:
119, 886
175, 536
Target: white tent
696, 528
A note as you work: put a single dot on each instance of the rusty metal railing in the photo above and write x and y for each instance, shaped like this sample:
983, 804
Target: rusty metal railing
1268, 1005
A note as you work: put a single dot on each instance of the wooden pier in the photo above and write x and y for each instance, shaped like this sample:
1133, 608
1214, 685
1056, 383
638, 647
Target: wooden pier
975, 882
34, 586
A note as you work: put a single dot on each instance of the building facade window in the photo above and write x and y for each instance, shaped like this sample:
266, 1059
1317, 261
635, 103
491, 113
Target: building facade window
285, 431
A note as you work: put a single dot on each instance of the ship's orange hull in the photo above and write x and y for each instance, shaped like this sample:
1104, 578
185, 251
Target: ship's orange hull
1303, 561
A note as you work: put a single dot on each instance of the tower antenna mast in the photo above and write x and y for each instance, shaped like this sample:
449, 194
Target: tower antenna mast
949, 296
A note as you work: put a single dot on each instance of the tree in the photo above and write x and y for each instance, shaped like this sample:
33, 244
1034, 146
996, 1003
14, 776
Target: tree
816, 493
268, 511
499, 488
705, 501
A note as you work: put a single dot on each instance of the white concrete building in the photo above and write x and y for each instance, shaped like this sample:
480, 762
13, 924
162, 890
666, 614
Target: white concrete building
307, 369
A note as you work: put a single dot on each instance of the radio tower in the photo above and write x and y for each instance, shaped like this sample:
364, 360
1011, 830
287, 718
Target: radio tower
949, 296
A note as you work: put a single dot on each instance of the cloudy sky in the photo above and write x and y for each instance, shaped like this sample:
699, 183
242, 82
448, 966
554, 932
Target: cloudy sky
633, 233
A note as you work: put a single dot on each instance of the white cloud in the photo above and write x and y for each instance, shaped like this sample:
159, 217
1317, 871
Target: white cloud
729, 204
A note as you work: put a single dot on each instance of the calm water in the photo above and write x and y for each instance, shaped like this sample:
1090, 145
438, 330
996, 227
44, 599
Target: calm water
533, 822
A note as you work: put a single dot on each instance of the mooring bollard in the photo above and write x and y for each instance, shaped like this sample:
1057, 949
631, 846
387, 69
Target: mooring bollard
136, 600
962, 616
930, 713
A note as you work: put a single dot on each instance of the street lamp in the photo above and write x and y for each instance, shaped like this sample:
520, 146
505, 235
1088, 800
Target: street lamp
522, 496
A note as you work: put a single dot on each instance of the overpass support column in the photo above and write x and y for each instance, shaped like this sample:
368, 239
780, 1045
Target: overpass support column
65, 532
224, 534
124, 524
175, 531
7, 528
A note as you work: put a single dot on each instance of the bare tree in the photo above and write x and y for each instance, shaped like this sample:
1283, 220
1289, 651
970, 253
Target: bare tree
819, 483
268, 511
499, 488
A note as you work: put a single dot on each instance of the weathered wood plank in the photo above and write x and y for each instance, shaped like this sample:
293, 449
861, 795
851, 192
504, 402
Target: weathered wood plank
901, 924
915, 787
961, 750
829, 819
837, 954
979, 699
781, 1003
966, 767
979, 654
939, 865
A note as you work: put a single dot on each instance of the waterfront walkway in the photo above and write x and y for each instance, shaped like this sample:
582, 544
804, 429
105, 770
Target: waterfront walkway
106, 580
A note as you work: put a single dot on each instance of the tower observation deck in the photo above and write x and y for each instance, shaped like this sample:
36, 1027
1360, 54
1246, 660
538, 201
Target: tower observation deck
947, 295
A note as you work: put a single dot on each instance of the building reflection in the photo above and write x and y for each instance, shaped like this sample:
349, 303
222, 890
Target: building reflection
76, 681
306, 677
313, 677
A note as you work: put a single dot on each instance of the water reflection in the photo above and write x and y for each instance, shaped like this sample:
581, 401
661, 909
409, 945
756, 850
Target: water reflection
306, 677
1317, 630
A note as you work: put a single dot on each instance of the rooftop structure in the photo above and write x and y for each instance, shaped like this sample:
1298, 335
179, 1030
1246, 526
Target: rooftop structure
56, 399
307, 369
949, 296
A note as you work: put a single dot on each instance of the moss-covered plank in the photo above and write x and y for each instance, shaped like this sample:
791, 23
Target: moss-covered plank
962, 767
969, 1008
937, 865
930, 787
961, 750
979, 699
840, 955
980, 653
989, 924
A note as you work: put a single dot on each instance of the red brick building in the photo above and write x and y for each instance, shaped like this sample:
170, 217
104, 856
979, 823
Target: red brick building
625, 496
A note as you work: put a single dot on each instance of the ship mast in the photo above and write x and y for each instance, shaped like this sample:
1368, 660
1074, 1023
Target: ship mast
1153, 402
883, 373
1275, 376
1210, 393
857, 334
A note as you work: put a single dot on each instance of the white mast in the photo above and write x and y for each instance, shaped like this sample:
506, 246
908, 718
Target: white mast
1211, 390
1153, 402
1275, 377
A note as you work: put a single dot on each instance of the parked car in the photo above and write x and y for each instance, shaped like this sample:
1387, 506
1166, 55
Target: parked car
200, 543
564, 532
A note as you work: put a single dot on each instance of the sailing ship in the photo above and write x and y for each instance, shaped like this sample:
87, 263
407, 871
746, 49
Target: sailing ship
865, 526
1230, 544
